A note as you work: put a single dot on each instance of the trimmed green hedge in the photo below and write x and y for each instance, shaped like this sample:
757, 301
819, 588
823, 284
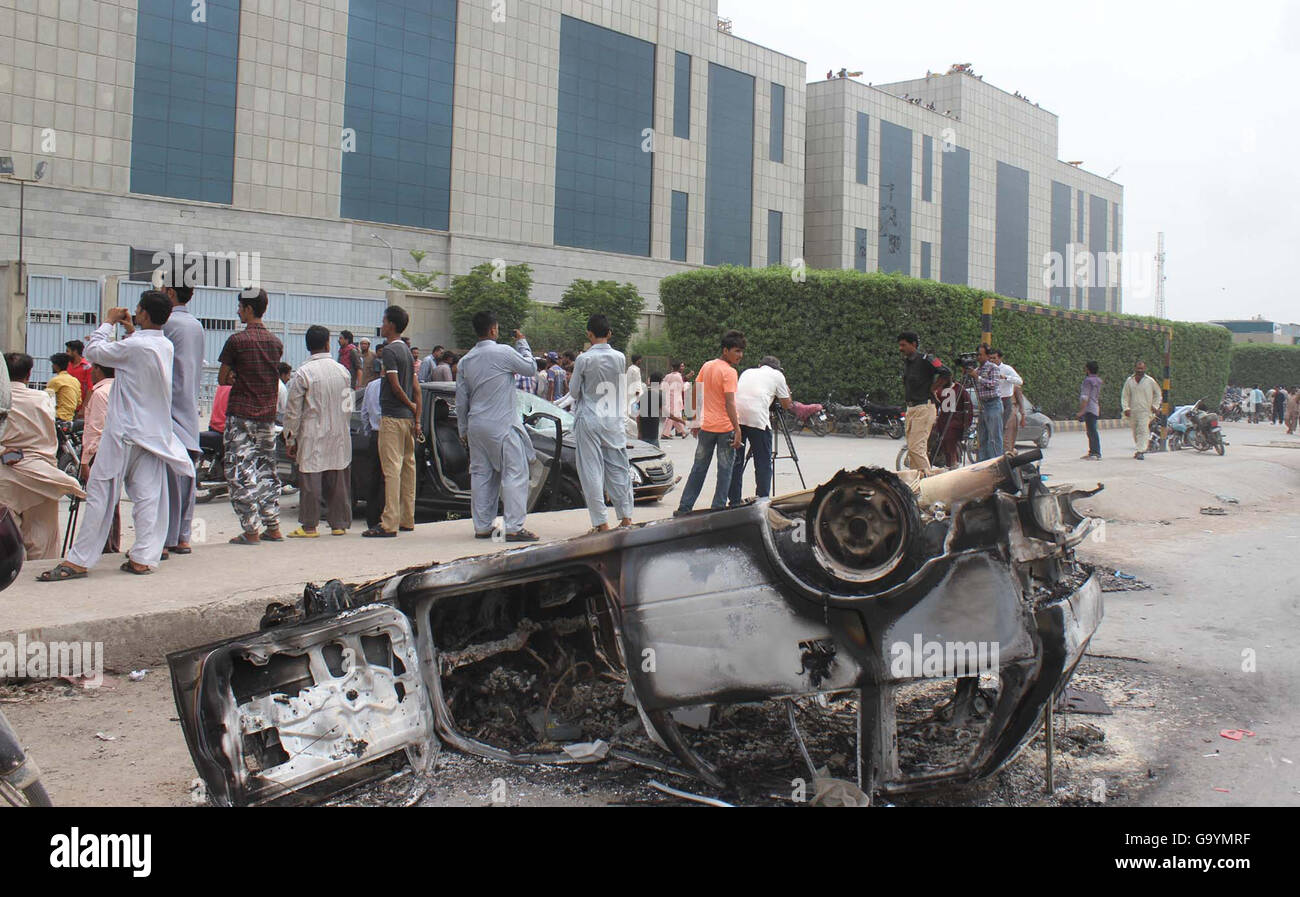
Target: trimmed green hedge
1265, 365
837, 331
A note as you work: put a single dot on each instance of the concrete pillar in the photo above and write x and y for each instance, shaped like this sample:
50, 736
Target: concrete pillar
13, 308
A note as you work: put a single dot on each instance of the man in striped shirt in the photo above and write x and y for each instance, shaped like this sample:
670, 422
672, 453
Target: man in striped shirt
986, 388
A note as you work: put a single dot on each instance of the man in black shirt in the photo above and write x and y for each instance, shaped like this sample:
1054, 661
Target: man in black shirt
919, 371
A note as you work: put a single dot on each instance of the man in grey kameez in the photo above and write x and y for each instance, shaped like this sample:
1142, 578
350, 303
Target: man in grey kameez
186, 335
599, 389
490, 424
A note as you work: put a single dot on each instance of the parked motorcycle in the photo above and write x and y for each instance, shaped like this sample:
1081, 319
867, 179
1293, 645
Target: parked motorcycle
886, 419
20, 778
69, 434
846, 418
1205, 433
209, 471
808, 417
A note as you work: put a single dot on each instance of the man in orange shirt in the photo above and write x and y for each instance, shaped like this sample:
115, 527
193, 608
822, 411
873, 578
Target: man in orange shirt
718, 427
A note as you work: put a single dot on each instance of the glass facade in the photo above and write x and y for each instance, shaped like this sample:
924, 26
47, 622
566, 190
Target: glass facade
927, 169
925, 260
604, 160
860, 238
729, 168
680, 222
954, 248
682, 96
864, 146
895, 199
1098, 246
1011, 242
398, 101
776, 147
775, 221
1058, 291
183, 113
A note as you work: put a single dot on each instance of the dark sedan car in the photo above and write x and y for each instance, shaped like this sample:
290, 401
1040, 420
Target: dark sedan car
442, 461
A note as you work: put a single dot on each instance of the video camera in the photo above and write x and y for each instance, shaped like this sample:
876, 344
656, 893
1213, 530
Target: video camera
968, 360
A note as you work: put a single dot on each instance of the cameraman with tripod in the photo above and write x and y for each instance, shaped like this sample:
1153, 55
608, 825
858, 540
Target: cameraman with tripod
757, 389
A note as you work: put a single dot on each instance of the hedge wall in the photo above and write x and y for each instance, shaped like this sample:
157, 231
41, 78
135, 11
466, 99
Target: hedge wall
837, 331
1265, 365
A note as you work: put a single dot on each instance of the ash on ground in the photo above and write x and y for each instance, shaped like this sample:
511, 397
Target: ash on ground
752, 746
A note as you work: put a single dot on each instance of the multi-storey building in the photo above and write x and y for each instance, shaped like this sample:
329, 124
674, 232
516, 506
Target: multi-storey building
948, 177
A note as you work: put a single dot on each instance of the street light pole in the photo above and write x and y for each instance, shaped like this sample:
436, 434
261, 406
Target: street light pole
6, 170
391, 267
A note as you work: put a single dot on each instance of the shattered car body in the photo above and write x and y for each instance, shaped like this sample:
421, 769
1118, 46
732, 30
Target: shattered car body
805, 594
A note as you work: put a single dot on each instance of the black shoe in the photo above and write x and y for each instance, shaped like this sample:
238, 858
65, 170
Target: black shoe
680, 513
378, 533
1140, 456
487, 535
522, 535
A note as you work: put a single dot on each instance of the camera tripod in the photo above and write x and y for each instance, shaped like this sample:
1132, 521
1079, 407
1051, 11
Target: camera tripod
780, 427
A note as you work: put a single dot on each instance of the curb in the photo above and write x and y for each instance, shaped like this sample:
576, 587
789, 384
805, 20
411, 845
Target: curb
1076, 426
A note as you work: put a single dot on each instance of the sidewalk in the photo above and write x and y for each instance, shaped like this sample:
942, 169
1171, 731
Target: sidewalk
221, 590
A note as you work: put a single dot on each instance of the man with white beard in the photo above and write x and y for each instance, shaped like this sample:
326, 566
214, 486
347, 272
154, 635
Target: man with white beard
138, 444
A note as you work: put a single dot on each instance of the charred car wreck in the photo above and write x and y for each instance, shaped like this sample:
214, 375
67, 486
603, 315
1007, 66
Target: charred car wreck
802, 595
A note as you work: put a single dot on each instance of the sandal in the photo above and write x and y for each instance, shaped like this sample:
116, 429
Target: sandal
378, 533
128, 566
179, 549
267, 537
60, 573
301, 533
242, 539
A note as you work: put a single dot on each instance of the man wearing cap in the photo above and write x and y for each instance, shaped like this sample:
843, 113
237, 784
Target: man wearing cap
755, 392
557, 381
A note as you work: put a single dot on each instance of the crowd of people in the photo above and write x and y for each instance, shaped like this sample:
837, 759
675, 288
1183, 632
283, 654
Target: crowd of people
139, 399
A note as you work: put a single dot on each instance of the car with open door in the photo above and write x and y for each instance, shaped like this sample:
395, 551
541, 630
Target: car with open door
442, 461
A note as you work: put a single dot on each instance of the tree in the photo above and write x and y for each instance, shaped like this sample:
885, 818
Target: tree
493, 287
552, 329
621, 304
416, 281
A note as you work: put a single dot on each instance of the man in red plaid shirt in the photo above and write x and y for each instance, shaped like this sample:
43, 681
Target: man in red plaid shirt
248, 367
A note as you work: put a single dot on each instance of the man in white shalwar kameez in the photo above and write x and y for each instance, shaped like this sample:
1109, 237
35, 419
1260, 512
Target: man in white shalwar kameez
490, 424
597, 388
186, 335
1140, 400
138, 443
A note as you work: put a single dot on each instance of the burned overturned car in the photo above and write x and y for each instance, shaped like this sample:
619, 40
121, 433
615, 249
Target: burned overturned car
820, 593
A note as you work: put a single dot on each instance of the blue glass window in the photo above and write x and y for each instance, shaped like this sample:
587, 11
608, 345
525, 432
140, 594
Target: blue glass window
860, 237
729, 168
183, 108
775, 222
603, 157
864, 145
680, 219
398, 101
776, 143
682, 96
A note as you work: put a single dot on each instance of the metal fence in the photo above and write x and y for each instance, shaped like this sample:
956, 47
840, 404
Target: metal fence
288, 315
58, 309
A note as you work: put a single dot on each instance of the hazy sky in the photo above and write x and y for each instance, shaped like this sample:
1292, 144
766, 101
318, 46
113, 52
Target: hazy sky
1195, 103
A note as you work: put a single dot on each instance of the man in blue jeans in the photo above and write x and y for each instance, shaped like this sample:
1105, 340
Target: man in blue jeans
986, 387
718, 427
1090, 409
757, 389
